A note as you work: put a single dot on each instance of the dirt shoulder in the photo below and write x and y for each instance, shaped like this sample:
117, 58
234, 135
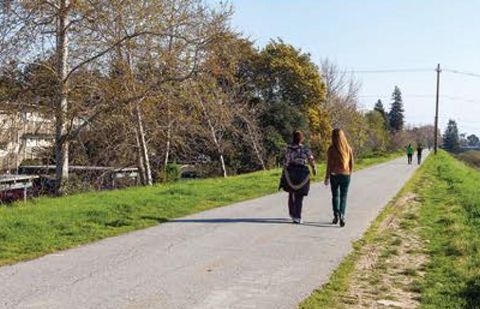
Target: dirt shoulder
387, 271
387, 266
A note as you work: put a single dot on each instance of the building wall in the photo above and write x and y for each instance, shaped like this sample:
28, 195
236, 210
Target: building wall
23, 136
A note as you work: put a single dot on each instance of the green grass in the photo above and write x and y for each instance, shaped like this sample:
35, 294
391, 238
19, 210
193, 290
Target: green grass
449, 192
329, 295
46, 225
451, 219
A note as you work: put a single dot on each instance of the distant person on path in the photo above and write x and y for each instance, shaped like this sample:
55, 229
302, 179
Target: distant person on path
339, 170
419, 153
296, 175
409, 153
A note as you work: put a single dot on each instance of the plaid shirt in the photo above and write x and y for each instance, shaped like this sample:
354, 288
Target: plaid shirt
298, 155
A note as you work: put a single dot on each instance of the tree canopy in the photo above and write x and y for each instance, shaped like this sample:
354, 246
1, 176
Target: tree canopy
150, 84
473, 140
451, 138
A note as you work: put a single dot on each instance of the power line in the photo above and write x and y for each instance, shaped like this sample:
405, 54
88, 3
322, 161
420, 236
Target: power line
412, 70
426, 96
455, 98
459, 119
419, 70
462, 73
403, 96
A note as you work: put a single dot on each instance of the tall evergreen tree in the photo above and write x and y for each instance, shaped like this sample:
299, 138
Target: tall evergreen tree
396, 117
379, 108
451, 139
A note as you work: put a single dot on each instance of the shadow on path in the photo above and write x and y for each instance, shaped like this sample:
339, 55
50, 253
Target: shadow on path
250, 220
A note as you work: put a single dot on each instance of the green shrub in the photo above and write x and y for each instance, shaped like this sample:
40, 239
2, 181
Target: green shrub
173, 172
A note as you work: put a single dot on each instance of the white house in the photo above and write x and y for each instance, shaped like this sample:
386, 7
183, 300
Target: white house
23, 135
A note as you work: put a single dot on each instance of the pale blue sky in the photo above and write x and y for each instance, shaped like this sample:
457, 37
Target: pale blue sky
384, 34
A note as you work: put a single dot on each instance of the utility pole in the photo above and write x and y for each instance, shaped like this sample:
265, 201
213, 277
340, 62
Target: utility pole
435, 138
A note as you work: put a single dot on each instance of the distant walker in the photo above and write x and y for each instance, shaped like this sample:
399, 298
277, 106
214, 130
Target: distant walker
410, 153
419, 153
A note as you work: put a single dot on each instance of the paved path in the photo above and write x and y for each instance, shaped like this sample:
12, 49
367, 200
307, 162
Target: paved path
245, 255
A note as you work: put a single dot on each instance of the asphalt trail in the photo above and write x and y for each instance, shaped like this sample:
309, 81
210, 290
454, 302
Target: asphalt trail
246, 255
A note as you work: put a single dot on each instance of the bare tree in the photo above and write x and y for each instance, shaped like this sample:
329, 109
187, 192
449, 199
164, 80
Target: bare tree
342, 92
342, 102
213, 108
182, 31
79, 35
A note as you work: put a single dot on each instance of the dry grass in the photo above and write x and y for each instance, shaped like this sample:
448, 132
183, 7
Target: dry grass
385, 274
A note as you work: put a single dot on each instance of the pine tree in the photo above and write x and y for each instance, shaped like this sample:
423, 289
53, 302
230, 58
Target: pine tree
396, 117
451, 139
379, 108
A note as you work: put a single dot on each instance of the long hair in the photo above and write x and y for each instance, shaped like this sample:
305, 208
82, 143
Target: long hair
341, 146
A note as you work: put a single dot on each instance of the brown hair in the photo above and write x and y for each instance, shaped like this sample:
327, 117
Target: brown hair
298, 137
340, 144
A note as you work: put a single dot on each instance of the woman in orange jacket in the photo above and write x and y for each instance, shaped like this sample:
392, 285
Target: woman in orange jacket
339, 170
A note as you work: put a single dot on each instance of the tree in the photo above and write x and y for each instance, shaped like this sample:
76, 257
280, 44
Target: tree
342, 103
86, 34
396, 117
230, 62
473, 140
32, 28
463, 140
423, 135
451, 139
216, 113
378, 136
381, 109
291, 96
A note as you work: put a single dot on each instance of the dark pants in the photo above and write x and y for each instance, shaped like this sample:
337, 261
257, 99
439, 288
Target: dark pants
410, 157
419, 157
295, 203
339, 185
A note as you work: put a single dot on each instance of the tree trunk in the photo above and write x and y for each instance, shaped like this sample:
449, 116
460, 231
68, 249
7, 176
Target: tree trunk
140, 165
167, 147
255, 148
143, 146
169, 137
215, 139
224, 169
61, 108
219, 148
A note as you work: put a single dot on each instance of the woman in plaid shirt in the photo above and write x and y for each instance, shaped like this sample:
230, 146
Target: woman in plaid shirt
296, 175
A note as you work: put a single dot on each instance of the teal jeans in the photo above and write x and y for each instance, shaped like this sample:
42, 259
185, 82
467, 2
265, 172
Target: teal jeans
339, 185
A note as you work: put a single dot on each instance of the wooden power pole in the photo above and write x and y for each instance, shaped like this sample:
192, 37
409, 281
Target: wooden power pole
435, 138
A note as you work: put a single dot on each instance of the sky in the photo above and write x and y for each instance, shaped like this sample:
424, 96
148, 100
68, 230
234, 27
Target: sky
384, 35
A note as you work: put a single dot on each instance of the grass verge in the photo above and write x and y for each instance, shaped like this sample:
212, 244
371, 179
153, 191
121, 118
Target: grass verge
335, 293
46, 225
439, 232
451, 218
